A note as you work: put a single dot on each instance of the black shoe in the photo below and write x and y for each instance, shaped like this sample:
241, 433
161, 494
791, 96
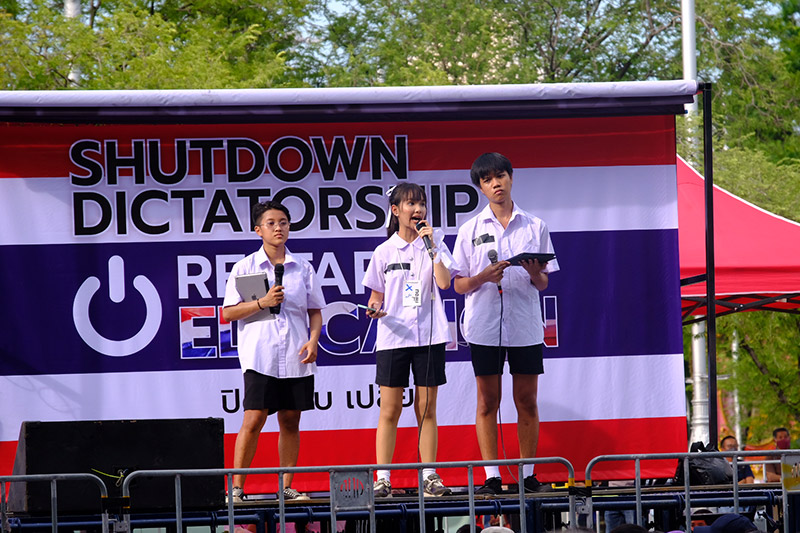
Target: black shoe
493, 485
534, 485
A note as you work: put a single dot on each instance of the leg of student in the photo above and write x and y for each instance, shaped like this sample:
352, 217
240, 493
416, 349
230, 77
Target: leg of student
425, 404
288, 441
247, 441
526, 387
489, 393
391, 407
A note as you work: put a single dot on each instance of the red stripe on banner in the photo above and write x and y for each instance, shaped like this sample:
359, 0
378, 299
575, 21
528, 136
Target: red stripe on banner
8, 449
36, 150
577, 441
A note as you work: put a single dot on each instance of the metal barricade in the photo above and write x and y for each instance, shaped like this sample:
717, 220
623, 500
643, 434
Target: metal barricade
356, 479
685, 457
53, 479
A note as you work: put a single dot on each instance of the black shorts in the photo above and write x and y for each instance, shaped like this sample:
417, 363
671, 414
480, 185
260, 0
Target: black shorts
392, 366
488, 360
277, 394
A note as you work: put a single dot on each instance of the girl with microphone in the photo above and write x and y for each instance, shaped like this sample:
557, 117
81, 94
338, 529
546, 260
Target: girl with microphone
405, 275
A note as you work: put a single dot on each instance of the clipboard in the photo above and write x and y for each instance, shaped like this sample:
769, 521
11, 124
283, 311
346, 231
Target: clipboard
542, 257
251, 287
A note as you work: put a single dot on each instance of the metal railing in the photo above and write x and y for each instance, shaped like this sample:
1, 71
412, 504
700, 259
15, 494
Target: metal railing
53, 479
361, 473
685, 458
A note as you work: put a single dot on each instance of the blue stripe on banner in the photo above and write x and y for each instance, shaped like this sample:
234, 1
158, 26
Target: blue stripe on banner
617, 294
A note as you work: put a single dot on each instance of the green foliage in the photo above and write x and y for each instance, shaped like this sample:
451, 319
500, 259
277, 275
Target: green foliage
151, 45
747, 48
377, 42
767, 374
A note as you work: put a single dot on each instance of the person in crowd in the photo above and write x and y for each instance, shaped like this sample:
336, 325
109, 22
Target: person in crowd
503, 316
783, 441
405, 275
277, 349
744, 472
618, 517
728, 523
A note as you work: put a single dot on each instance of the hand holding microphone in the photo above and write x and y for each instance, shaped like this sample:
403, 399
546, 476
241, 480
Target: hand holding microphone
277, 289
425, 232
494, 272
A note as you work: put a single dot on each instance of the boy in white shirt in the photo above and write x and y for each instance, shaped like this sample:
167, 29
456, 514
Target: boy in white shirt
503, 316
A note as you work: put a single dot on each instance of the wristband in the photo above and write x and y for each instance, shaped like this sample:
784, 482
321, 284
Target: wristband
258, 303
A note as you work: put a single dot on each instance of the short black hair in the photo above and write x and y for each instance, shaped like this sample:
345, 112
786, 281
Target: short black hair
726, 438
262, 207
778, 430
489, 163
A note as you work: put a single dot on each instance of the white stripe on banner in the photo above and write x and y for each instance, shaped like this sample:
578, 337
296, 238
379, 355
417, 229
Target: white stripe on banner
599, 198
591, 388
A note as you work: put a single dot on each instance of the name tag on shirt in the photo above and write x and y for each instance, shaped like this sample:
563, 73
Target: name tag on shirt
412, 293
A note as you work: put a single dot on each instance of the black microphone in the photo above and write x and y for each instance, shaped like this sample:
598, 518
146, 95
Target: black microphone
493, 259
426, 239
278, 281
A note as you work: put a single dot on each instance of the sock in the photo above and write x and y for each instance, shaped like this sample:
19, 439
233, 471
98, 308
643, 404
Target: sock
427, 472
527, 470
385, 474
491, 471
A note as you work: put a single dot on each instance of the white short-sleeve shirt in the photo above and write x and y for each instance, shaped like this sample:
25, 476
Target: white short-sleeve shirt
393, 262
522, 312
272, 346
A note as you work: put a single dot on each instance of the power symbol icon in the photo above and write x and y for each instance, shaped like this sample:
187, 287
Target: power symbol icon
116, 292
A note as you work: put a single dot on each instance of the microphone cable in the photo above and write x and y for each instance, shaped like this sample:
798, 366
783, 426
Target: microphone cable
500, 360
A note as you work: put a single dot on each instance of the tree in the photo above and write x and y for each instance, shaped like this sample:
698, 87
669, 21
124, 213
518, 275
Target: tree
376, 42
130, 44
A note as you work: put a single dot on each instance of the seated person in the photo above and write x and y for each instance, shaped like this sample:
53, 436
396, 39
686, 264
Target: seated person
745, 473
782, 442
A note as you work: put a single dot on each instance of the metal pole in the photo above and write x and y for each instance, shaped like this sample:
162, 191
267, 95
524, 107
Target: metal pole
521, 486
54, 505
638, 482
421, 495
737, 417
178, 504
708, 167
699, 384
471, 493
72, 9
689, 47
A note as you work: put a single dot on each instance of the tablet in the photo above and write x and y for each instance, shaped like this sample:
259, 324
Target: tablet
252, 287
542, 257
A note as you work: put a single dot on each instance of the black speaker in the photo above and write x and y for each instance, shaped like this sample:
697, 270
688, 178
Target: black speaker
113, 448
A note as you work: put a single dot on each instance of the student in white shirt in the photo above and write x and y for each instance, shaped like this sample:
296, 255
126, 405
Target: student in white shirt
277, 351
412, 330
519, 335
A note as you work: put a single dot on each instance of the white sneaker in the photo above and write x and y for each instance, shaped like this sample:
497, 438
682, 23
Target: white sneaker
237, 495
290, 494
433, 486
382, 489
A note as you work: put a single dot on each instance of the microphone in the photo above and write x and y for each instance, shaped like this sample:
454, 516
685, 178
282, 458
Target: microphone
278, 281
427, 240
493, 259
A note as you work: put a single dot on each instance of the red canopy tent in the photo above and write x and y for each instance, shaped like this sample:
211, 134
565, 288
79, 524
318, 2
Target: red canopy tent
757, 253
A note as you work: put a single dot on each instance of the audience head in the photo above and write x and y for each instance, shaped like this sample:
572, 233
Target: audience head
782, 438
728, 523
728, 444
